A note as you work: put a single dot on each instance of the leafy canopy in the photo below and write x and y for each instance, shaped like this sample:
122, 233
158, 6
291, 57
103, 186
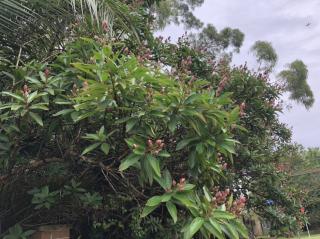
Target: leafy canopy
295, 78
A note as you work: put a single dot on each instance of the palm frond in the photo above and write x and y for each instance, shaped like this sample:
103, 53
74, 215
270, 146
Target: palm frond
39, 26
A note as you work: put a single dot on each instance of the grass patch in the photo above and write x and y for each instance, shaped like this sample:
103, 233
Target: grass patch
304, 236
317, 236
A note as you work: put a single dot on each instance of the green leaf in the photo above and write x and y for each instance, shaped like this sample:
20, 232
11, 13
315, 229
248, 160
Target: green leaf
14, 107
240, 228
32, 96
206, 193
50, 91
36, 118
166, 197
193, 228
147, 170
172, 125
154, 164
164, 154
213, 231
218, 214
63, 112
192, 97
35, 95
183, 198
188, 187
90, 148
234, 115
185, 142
154, 201
39, 106
129, 161
172, 209
215, 225
105, 148
147, 210
93, 137
230, 231
101, 132
33, 81
6, 106
130, 124
167, 179
18, 97
228, 147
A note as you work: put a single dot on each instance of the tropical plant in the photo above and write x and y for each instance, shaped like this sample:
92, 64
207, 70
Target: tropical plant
38, 29
124, 129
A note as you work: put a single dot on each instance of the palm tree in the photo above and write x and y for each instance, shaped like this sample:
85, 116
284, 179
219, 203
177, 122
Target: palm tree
36, 28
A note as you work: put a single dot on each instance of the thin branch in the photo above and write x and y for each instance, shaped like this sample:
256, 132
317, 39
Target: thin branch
18, 60
106, 177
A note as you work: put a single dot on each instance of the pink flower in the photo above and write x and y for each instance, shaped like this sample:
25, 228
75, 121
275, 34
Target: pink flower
105, 25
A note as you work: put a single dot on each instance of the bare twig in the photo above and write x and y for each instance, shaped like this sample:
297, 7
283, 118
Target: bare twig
107, 179
19, 56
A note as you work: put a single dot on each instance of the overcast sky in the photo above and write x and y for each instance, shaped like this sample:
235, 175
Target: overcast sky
282, 22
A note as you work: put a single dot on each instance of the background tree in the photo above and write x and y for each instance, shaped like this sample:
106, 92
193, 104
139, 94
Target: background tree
265, 54
177, 12
295, 80
218, 44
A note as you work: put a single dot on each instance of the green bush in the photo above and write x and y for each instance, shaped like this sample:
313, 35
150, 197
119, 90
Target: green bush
135, 138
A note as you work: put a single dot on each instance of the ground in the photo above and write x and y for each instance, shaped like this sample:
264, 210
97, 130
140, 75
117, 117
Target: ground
305, 236
317, 236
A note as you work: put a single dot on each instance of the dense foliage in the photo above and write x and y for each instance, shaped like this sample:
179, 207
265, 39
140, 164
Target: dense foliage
303, 166
265, 142
67, 127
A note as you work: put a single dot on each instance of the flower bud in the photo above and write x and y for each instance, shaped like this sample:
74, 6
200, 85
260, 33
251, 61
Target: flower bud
105, 25
159, 142
47, 72
150, 143
225, 166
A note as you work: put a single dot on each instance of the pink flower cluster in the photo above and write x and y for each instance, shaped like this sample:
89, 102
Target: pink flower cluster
155, 147
238, 205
